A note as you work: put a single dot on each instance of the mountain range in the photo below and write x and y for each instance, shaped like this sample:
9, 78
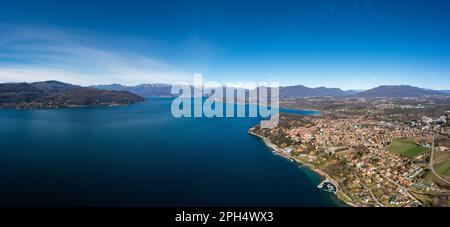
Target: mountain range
302, 91
55, 94
144, 90
398, 91
297, 91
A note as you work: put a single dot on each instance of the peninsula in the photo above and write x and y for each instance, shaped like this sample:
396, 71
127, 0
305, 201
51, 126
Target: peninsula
55, 94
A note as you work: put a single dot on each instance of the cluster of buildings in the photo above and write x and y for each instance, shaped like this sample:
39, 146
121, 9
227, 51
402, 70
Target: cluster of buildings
352, 138
335, 135
380, 177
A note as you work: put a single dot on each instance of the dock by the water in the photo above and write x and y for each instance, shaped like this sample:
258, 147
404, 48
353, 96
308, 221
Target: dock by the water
328, 186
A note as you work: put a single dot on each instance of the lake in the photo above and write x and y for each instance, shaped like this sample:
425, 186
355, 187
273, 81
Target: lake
139, 155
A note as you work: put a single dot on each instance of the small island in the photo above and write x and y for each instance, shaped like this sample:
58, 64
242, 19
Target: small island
55, 94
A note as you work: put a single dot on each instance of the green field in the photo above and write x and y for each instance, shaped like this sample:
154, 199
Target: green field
406, 147
443, 168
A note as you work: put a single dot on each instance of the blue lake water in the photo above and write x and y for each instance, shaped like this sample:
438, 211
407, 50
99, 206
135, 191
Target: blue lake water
139, 155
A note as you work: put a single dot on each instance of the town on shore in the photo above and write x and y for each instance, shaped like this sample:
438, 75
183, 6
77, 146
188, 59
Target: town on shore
377, 152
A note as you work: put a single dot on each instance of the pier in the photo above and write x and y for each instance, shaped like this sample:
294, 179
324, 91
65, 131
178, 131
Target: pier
328, 186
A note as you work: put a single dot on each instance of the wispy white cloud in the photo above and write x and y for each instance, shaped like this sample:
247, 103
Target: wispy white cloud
41, 53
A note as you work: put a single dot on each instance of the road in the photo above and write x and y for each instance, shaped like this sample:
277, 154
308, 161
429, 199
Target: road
404, 190
432, 166
370, 191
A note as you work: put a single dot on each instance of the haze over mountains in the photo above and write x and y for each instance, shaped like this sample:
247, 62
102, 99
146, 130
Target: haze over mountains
302, 91
144, 90
398, 91
297, 91
55, 94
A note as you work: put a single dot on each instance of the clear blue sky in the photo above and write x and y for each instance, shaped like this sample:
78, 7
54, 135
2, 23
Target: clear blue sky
350, 44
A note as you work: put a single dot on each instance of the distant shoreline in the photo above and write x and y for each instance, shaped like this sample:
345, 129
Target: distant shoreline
65, 107
56, 95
